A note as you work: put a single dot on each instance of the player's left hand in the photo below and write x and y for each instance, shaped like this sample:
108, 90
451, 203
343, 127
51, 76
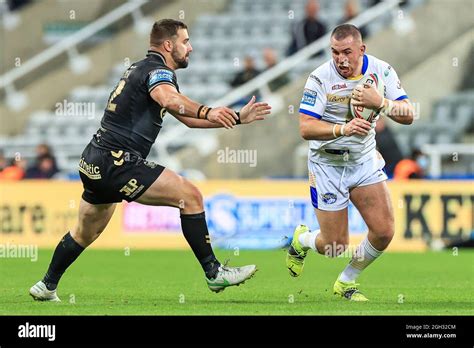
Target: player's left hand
366, 96
254, 111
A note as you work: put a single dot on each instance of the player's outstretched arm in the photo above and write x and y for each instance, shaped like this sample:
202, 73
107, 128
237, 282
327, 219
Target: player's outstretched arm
249, 113
253, 111
183, 107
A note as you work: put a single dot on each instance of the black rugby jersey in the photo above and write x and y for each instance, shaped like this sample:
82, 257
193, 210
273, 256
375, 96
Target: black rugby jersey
132, 119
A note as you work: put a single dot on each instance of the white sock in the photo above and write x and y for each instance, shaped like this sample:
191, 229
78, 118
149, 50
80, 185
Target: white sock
308, 240
364, 255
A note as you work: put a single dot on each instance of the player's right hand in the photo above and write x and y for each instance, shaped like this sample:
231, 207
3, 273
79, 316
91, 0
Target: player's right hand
357, 126
224, 116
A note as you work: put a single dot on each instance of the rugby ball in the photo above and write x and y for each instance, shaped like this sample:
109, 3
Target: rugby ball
360, 111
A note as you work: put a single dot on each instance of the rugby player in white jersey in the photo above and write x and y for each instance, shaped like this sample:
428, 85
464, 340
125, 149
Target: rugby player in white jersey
343, 162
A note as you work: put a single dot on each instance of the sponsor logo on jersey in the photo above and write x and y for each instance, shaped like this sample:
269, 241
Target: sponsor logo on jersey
90, 170
329, 198
309, 97
339, 86
342, 99
131, 188
387, 71
315, 79
118, 156
160, 75
150, 164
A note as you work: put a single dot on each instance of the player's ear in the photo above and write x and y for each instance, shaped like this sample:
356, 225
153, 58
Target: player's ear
362, 48
168, 45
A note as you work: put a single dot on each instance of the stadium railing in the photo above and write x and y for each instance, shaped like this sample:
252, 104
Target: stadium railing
15, 99
437, 151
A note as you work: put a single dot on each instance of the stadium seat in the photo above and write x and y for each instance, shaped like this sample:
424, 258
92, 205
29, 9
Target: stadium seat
464, 116
421, 138
403, 141
445, 138
442, 113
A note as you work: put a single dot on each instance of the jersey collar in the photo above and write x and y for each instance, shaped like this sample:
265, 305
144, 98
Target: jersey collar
156, 55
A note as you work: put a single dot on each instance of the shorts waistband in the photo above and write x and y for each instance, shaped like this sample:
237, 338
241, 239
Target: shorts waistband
337, 152
345, 156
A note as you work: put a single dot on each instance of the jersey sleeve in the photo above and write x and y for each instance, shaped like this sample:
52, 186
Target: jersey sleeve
313, 102
393, 86
161, 76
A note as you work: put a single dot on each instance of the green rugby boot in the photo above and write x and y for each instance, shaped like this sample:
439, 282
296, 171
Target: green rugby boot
295, 255
349, 291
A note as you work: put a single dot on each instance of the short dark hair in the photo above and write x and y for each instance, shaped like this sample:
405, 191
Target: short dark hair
344, 30
165, 29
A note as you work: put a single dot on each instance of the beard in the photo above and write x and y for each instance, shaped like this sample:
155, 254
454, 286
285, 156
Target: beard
181, 62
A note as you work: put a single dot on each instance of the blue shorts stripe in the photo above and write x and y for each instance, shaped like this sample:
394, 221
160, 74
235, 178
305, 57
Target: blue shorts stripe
314, 196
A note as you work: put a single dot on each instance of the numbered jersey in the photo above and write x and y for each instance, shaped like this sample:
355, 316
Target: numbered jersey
326, 96
132, 119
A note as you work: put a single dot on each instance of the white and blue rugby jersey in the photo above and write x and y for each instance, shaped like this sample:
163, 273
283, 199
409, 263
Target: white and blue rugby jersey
326, 97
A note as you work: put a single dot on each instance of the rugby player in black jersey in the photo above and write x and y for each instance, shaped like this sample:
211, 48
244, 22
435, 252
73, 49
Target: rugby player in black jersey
113, 166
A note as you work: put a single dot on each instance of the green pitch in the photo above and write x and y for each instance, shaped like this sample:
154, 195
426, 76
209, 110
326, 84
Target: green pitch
172, 283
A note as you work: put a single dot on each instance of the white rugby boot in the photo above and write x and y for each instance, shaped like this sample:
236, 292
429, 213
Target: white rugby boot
229, 276
40, 292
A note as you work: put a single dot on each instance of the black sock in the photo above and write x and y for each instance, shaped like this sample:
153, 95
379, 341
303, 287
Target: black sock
64, 255
195, 231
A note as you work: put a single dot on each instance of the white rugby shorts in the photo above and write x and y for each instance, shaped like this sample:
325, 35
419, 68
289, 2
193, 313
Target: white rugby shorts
330, 185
